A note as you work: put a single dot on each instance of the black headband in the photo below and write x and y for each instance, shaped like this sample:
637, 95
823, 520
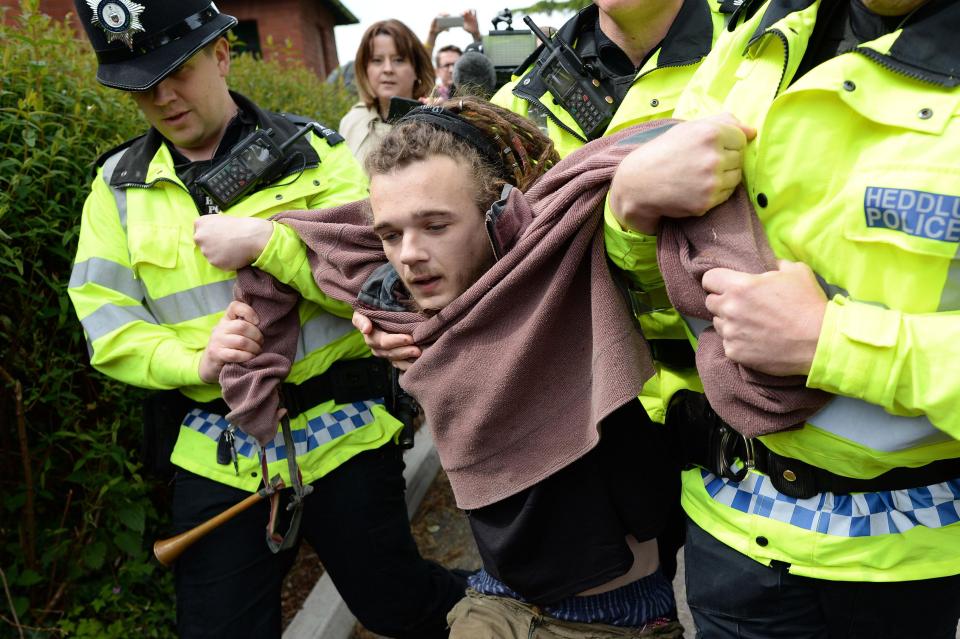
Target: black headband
458, 126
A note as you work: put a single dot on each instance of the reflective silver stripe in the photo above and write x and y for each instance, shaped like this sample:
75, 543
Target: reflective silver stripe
871, 426
950, 296
320, 331
697, 325
192, 303
110, 317
864, 423
108, 274
119, 195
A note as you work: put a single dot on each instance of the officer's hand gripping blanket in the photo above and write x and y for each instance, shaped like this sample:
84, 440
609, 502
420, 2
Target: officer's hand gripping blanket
730, 236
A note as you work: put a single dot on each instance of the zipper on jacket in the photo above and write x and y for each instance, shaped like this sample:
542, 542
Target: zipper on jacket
786, 58
148, 185
673, 65
890, 65
786, 54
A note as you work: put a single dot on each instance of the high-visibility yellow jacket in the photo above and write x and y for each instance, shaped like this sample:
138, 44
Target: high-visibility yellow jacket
855, 172
652, 95
148, 300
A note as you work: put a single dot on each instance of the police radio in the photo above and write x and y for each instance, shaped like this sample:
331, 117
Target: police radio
572, 86
254, 160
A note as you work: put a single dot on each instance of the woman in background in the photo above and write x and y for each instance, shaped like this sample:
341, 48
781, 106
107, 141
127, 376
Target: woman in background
391, 61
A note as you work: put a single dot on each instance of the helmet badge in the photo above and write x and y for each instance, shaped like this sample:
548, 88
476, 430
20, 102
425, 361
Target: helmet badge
119, 19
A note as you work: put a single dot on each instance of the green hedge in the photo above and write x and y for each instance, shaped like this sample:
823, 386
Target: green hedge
78, 518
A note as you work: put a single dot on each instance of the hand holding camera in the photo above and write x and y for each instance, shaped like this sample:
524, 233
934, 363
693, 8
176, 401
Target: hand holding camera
466, 21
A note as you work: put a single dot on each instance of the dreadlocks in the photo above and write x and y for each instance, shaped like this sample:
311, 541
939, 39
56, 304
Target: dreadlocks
524, 151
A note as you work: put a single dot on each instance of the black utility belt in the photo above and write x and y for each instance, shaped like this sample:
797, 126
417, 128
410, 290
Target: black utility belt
346, 381
796, 478
712, 444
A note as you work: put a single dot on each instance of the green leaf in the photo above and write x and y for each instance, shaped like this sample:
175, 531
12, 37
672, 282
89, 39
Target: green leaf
133, 516
94, 554
28, 578
21, 604
129, 543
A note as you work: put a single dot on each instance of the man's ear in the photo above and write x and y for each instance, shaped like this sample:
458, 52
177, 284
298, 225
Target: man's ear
221, 51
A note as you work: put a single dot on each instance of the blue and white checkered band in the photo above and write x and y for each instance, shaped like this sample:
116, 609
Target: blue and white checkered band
855, 515
119, 19
320, 430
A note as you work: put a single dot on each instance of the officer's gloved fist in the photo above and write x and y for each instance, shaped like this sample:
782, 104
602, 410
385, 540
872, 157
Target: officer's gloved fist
230, 242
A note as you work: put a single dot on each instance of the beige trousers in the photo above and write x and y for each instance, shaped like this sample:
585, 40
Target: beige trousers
479, 616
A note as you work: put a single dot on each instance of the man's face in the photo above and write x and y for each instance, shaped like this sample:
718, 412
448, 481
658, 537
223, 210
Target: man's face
445, 62
432, 230
191, 106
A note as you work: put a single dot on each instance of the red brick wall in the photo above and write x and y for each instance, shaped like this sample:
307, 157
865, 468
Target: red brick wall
307, 24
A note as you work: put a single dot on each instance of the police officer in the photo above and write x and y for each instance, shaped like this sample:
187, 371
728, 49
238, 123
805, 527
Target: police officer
850, 525
158, 315
645, 51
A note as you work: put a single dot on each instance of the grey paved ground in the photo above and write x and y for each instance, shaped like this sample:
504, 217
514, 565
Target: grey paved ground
683, 610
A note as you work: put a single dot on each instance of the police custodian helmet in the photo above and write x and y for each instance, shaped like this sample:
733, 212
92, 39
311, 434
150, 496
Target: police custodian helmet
139, 44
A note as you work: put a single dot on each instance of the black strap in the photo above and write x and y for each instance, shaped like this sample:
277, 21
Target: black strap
673, 353
452, 123
344, 382
276, 541
712, 444
799, 479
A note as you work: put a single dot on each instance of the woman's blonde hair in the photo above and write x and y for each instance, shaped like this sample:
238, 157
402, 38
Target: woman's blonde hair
407, 45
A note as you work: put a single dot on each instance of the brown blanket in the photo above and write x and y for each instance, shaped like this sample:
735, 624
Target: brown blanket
730, 236
519, 371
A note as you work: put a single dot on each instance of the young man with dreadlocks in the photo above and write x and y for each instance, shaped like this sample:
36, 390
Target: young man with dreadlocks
484, 255
581, 540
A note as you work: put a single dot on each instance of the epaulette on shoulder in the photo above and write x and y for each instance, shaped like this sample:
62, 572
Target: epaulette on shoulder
332, 136
106, 154
299, 120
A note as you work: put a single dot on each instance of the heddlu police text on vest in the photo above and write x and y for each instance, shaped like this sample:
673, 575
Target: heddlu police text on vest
935, 216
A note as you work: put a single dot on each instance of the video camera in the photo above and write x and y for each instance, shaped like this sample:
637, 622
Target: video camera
507, 48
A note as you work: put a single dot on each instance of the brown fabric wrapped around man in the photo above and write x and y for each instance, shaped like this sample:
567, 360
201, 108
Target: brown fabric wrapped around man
519, 371
730, 236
